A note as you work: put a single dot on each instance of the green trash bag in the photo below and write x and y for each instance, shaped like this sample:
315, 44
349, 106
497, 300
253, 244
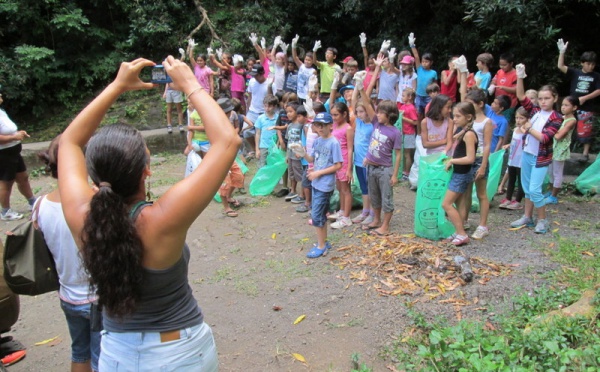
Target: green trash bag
267, 177
588, 182
244, 169
430, 218
334, 201
493, 180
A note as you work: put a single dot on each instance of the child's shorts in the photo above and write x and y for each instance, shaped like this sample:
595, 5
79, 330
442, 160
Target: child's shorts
174, 96
234, 179
421, 102
460, 181
475, 169
306, 183
320, 207
295, 169
342, 174
408, 141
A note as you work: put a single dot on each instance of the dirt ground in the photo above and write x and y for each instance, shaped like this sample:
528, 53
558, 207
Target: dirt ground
244, 268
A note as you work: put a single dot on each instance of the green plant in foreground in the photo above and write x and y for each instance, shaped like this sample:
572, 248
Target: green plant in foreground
357, 366
518, 340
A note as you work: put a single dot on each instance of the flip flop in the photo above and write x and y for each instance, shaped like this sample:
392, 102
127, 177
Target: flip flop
13, 357
377, 233
234, 203
231, 213
367, 227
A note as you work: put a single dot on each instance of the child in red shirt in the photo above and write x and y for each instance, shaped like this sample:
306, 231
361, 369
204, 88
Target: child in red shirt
409, 131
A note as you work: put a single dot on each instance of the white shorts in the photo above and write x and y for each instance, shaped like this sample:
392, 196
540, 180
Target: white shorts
174, 96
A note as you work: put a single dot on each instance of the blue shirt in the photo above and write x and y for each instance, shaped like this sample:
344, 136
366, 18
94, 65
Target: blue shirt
362, 138
327, 152
424, 78
266, 136
500, 125
483, 79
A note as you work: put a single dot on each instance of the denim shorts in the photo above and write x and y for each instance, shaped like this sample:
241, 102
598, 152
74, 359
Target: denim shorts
408, 141
476, 166
459, 182
85, 344
144, 351
306, 183
421, 102
320, 207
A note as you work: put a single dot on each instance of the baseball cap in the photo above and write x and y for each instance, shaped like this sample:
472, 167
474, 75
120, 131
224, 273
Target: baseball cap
407, 60
257, 70
348, 59
323, 117
345, 88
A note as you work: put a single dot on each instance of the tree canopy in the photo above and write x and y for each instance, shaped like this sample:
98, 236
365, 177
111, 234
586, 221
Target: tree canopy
54, 52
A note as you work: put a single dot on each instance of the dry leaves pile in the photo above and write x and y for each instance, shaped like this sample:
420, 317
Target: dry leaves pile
406, 265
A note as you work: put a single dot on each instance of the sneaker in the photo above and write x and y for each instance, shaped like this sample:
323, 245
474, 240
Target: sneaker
367, 221
514, 205
451, 238
302, 208
11, 215
551, 199
413, 187
480, 233
360, 218
298, 200
169, 129
404, 177
334, 216
291, 195
466, 225
181, 130
341, 223
542, 227
504, 203
460, 240
523, 221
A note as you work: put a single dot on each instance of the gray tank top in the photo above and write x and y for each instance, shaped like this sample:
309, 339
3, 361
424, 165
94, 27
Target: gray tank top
166, 302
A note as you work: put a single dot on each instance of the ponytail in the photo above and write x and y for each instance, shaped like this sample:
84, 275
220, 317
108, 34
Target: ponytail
112, 253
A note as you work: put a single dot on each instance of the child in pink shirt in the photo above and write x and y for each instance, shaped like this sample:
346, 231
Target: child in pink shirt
409, 131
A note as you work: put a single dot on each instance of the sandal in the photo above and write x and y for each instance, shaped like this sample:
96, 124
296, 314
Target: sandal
461, 240
315, 252
234, 203
377, 233
231, 213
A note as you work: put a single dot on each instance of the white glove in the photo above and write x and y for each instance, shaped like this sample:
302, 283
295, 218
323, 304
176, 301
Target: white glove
359, 79
191, 43
220, 54
295, 41
253, 38
308, 105
277, 41
391, 55
461, 64
491, 89
317, 46
284, 47
562, 46
346, 79
385, 45
263, 43
336, 80
210, 51
411, 39
312, 83
363, 39
182, 53
297, 148
521, 71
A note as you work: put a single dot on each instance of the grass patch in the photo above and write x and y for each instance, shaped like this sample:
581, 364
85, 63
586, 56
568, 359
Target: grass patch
290, 269
509, 342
